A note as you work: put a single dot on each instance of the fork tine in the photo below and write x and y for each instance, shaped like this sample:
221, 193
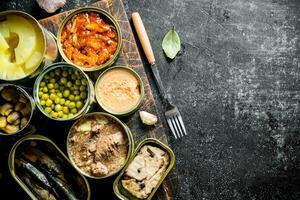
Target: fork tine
181, 123
175, 127
178, 126
172, 128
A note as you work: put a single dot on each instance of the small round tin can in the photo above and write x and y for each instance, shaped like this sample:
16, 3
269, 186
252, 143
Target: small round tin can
141, 90
108, 17
90, 100
28, 128
49, 50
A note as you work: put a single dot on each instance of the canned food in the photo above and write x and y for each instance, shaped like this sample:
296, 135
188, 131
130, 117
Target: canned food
105, 150
119, 90
89, 38
16, 110
44, 172
25, 46
63, 92
145, 171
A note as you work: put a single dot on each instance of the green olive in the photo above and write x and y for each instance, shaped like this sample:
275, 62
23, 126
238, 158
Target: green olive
56, 85
59, 94
70, 115
65, 116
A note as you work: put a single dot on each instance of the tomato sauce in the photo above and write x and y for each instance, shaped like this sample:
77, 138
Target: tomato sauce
89, 40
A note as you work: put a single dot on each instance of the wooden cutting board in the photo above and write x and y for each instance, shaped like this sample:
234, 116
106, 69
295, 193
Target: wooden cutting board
130, 57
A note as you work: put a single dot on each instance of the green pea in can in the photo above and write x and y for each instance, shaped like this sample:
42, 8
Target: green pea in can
63, 92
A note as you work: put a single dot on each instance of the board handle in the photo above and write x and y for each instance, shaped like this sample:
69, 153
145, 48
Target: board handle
143, 37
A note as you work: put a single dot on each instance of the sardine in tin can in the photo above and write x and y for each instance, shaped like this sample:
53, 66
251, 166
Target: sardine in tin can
14, 153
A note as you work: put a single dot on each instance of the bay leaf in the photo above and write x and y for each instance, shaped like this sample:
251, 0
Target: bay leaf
171, 44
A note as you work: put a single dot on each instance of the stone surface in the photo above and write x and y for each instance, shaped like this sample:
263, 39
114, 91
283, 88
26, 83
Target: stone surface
236, 85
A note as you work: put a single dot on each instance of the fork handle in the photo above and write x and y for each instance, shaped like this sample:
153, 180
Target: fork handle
144, 40
143, 37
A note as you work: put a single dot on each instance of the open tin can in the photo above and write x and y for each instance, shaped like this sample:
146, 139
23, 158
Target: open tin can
90, 122
116, 88
43, 171
29, 109
105, 16
124, 194
43, 51
90, 98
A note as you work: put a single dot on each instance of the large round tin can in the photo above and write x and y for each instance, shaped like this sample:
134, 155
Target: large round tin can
90, 100
130, 143
48, 54
106, 15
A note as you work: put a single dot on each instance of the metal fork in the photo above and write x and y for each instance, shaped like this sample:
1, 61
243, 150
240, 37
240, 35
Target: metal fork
172, 114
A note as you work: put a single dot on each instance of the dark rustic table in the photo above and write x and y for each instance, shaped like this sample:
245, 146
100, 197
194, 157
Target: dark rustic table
236, 84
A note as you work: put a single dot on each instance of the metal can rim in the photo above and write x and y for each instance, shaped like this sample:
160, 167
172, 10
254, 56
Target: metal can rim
130, 145
112, 19
142, 95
